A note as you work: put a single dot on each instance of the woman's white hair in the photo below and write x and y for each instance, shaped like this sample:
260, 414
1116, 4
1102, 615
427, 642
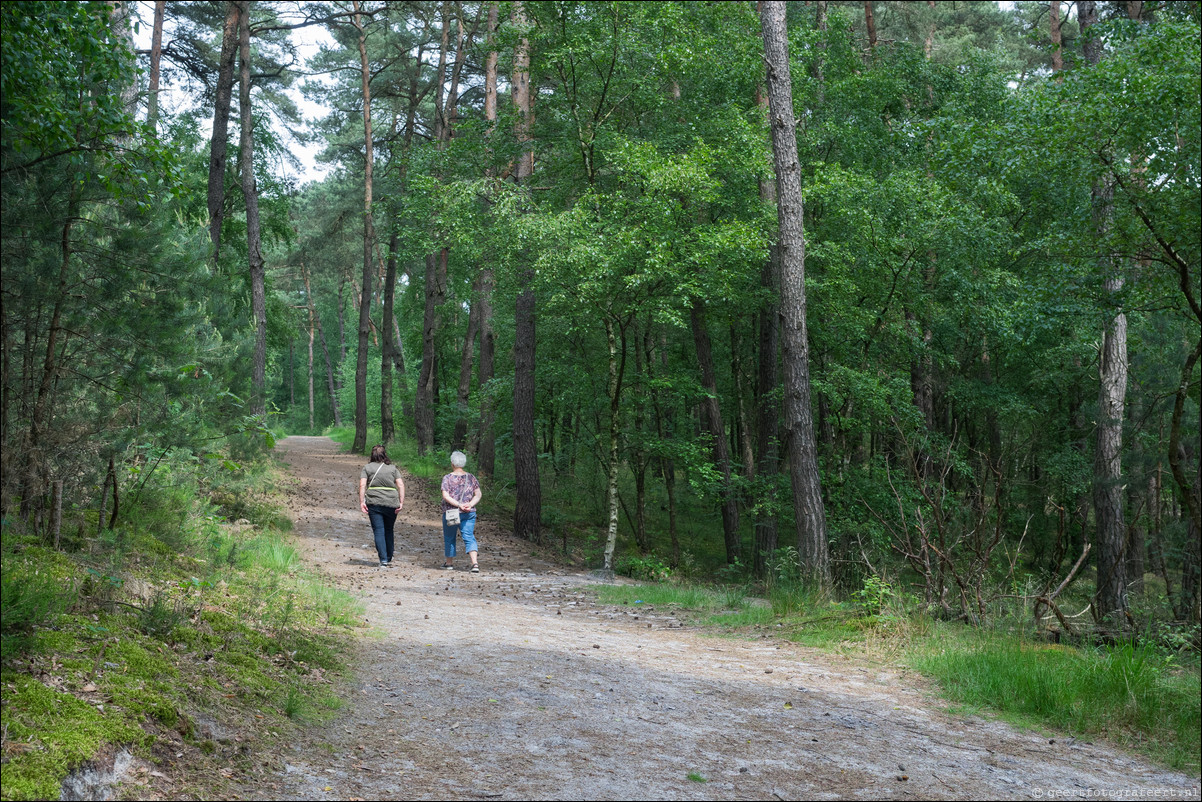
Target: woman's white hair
458, 459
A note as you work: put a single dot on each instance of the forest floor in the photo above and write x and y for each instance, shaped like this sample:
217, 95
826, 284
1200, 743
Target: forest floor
515, 684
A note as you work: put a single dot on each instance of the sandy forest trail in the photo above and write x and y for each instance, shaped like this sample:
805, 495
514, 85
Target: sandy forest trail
513, 684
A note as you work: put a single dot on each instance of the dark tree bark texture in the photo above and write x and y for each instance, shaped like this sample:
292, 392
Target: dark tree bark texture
808, 508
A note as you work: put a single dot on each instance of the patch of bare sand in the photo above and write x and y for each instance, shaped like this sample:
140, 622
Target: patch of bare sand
512, 684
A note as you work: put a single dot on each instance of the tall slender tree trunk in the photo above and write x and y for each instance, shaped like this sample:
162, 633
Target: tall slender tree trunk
312, 337
527, 516
1057, 39
665, 429
39, 419
427, 378
341, 325
712, 421
221, 120
250, 194
1110, 603
331, 383
120, 22
359, 444
156, 56
767, 404
819, 57
398, 364
485, 438
616, 368
640, 456
387, 360
743, 440
870, 24
808, 508
463, 396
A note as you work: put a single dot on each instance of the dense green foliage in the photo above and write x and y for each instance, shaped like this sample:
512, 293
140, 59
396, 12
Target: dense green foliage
956, 273
978, 229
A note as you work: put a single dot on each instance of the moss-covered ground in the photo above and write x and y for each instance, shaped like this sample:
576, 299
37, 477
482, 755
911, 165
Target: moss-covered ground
189, 634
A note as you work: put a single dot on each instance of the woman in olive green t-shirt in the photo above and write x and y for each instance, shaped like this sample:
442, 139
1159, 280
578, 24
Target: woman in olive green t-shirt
381, 497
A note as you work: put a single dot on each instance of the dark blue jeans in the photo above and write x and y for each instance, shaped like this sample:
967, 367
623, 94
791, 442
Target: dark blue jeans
382, 519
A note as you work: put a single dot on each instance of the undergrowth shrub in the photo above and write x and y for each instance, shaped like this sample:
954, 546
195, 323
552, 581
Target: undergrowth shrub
30, 598
649, 568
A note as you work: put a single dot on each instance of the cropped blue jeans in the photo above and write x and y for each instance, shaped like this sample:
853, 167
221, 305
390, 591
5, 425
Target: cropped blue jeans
466, 527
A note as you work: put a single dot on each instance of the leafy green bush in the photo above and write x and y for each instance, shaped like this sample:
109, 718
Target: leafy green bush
648, 569
875, 595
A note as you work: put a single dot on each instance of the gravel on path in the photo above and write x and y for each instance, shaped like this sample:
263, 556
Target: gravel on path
514, 684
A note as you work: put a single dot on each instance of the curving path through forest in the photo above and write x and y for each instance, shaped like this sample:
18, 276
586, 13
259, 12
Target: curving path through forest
512, 684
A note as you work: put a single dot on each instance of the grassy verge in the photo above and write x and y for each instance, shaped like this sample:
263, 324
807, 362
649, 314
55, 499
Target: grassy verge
1143, 698
189, 640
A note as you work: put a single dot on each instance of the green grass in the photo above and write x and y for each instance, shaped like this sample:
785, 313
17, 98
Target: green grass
690, 597
1138, 696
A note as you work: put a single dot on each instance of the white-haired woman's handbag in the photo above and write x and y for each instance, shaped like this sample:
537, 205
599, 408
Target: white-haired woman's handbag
453, 517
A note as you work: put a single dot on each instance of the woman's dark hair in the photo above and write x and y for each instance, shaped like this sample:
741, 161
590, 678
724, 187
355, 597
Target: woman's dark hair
378, 454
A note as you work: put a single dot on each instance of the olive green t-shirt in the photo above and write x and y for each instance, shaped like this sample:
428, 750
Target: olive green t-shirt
381, 490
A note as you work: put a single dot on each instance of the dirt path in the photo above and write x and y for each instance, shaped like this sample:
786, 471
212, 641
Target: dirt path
511, 684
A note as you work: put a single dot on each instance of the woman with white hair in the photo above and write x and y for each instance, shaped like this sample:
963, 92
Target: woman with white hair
460, 495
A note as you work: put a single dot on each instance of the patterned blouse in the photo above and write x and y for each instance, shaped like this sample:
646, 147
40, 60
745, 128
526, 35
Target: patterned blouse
459, 486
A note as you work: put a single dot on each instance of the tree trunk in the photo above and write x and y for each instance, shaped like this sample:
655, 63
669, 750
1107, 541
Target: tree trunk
1057, 41
369, 235
56, 513
665, 429
640, 458
928, 44
485, 439
387, 359
615, 390
120, 23
767, 405
712, 420
424, 411
292, 372
312, 337
1111, 599
527, 516
870, 24
250, 194
341, 325
156, 55
819, 58
463, 397
1087, 17
809, 512
39, 420
221, 120
331, 382
1186, 489
744, 427
398, 364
